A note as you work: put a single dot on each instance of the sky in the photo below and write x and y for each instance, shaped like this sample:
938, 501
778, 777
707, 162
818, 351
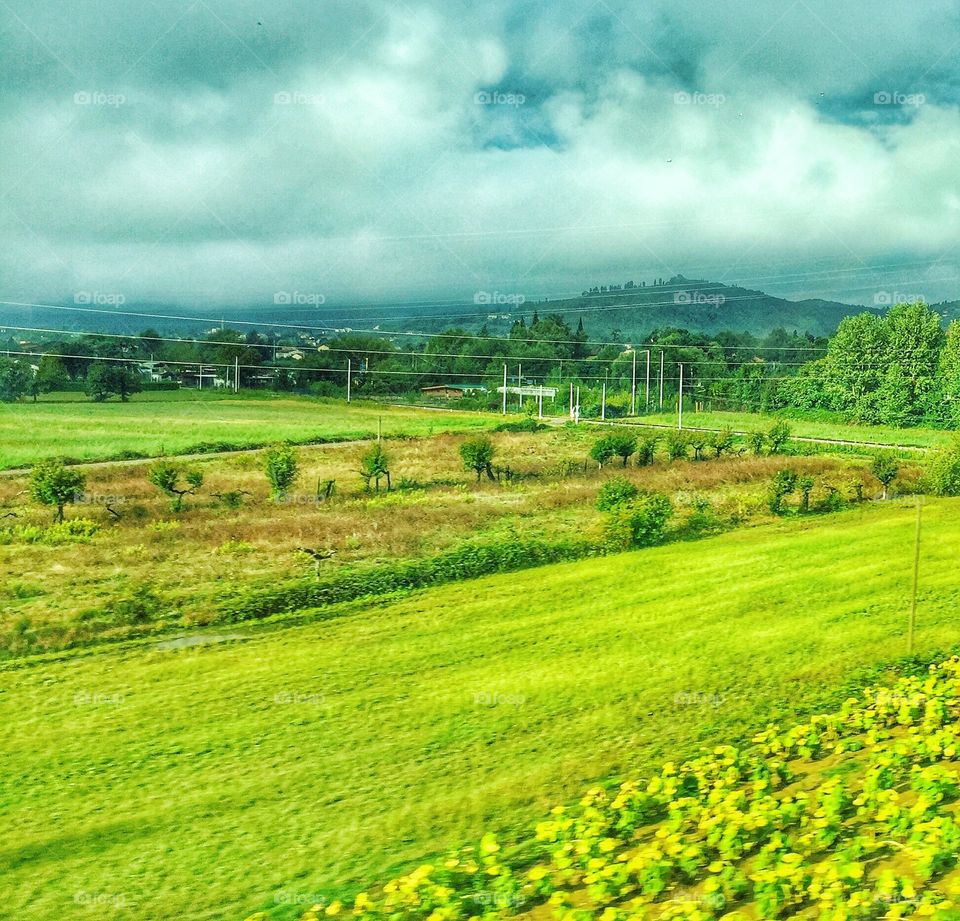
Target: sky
237, 153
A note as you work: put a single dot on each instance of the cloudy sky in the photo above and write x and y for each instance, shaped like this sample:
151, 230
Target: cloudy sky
200, 152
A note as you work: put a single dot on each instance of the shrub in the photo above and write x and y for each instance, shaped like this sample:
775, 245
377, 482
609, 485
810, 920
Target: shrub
640, 523
757, 442
53, 484
525, 425
677, 445
943, 473
647, 450
477, 455
603, 449
778, 436
698, 441
805, 484
375, 465
616, 492
280, 466
166, 477
74, 531
784, 483
624, 445
722, 442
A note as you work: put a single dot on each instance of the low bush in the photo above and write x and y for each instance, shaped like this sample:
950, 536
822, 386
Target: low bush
639, 523
616, 492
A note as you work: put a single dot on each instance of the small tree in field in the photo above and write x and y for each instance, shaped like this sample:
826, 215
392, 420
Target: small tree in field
280, 466
53, 484
477, 455
624, 446
885, 468
698, 441
722, 442
677, 444
166, 477
647, 450
778, 436
603, 449
616, 492
757, 442
375, 465
805, 484
784, 483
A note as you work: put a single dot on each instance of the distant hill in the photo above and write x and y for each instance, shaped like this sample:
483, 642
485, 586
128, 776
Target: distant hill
632, 309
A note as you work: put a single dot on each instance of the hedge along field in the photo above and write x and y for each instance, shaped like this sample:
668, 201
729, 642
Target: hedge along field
148, 426
284, 767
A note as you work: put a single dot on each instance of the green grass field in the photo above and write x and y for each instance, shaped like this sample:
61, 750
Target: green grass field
264, 773
751, 422
175, 423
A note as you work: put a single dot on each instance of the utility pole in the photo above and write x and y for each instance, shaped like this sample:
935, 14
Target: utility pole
576, 417
916, 578
680, 401
571, 399
349, 369
540, 403
661, 380
520, 385
646, 395
633, 386
603, 402
379, 427
504, 389
236, 374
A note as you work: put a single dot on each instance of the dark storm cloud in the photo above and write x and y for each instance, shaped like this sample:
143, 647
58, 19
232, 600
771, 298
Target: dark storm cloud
223, 151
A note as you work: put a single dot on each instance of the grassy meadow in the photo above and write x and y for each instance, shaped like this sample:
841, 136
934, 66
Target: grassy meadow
180, 422
148, 570
282, 766
809, 428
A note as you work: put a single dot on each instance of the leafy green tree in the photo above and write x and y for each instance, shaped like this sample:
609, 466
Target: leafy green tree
885, 468
624, 446
51, 483
698, 441
15, 380
647, 450
51, 374
757, 442
784, 483
106, 380
778, 436
722, 442
375, 465
281, 467
677, 445
165, 475
603, 449
805, 484
943, 471
477, 455
948, 377
616, 492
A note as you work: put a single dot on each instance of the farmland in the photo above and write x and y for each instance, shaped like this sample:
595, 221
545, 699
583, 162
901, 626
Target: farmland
294, 750
186, 421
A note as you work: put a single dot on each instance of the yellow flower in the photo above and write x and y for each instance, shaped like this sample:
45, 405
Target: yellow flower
334, 908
